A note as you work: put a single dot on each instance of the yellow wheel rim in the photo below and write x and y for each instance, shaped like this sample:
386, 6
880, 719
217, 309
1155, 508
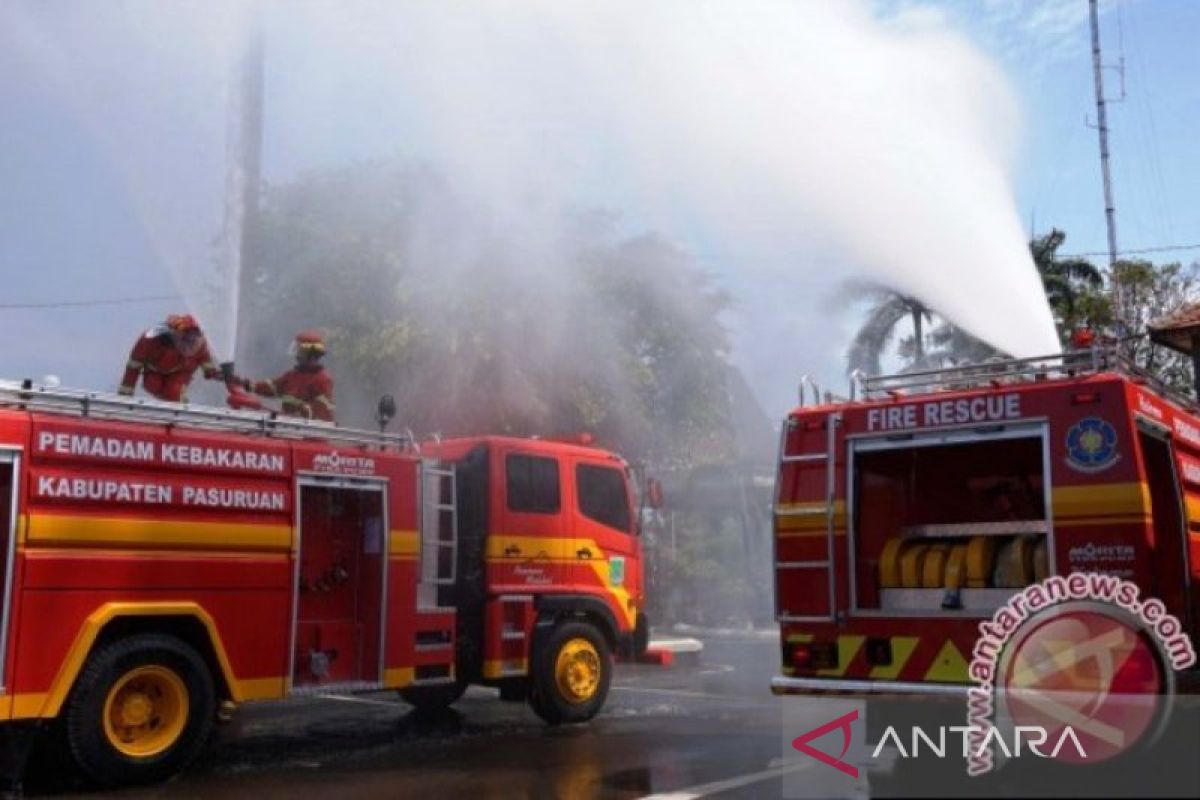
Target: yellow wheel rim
577, 671
145, 711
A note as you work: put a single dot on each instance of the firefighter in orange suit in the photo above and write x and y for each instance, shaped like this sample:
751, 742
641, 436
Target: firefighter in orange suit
166, 357
306, 390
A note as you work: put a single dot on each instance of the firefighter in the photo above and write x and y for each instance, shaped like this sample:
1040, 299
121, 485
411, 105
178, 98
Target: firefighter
306, 390
166, 357
1082, 338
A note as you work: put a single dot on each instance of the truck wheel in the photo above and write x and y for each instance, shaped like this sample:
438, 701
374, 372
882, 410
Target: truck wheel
433, 698
141, 710
571, 674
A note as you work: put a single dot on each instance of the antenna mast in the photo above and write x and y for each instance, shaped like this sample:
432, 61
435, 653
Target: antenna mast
1110, 211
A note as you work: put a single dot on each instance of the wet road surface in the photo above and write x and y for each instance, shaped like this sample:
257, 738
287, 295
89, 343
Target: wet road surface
709, 728
690, 728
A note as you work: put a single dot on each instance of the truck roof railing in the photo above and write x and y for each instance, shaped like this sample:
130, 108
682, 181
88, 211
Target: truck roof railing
26, 395
1000, 371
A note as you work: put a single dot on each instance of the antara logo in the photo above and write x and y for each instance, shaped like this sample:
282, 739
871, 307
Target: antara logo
843, 723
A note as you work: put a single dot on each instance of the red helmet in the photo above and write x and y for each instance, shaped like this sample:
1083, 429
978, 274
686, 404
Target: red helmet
310, 342
182, 323
1083, 337
186, 334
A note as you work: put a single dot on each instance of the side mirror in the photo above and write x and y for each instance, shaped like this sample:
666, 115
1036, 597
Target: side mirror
385, 410
654, 493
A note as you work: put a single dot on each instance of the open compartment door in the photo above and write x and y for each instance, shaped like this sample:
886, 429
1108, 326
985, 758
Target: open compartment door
953, 522
339, 585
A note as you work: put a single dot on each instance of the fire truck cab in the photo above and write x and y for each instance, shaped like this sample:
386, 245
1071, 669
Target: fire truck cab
904, 518
161, 563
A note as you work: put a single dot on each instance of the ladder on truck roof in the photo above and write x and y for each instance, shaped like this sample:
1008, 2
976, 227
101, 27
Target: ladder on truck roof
828, 510
29, 396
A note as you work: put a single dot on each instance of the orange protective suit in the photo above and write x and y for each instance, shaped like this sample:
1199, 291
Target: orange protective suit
165, 370
305, 391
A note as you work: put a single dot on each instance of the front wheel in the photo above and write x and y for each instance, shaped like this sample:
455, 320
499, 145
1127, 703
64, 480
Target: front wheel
141, 711
572, 671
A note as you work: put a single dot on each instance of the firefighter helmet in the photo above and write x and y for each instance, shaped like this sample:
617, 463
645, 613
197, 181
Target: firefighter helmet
185, 332
309, 342
182, 323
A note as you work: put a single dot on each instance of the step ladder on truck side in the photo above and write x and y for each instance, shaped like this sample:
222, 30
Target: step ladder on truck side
790, 572
435, 640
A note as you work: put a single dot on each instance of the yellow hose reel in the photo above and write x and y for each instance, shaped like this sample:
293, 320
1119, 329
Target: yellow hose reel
980, 562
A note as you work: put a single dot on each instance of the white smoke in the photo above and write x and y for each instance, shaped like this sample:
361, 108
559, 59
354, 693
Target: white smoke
790, 144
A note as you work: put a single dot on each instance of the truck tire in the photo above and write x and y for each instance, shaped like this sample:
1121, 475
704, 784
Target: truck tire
572, 670
141, 710
433, 698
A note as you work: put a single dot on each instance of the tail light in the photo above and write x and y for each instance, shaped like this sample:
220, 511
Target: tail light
813, 655
801, 656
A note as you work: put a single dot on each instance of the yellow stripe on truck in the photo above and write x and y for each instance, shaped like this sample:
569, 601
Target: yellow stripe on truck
1100, 500
58, 529
404, 543
541, 547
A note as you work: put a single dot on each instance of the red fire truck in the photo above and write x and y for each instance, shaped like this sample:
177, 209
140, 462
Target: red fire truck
161, 563
906, 516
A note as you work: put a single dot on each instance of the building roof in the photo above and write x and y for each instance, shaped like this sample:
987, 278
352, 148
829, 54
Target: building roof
1177, 329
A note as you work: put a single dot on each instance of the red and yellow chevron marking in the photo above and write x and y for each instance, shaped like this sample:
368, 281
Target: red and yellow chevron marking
921, 659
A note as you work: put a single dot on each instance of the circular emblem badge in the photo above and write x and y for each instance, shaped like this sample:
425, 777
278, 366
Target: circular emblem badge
1088, 668
1091, 444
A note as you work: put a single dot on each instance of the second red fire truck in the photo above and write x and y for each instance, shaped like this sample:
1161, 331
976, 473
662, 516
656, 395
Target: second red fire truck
159, 563
907, 516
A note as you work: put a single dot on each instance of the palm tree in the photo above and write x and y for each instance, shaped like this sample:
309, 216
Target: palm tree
888, 309
950, 345
1065, 280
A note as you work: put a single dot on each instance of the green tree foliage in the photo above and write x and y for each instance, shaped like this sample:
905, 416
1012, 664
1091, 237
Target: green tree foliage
887, 312
427, 298
1150, 292
934, 341
1072, 285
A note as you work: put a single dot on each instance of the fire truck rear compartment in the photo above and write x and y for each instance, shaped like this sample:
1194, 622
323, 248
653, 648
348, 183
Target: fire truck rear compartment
948, 526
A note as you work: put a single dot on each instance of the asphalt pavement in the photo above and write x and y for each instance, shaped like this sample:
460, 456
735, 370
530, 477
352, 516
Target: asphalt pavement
707, 726
704, 725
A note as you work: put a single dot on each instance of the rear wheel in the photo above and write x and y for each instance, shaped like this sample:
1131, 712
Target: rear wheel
571, 675
142, 710
433, 698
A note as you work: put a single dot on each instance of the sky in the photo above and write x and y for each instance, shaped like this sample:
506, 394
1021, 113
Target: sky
113, 178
